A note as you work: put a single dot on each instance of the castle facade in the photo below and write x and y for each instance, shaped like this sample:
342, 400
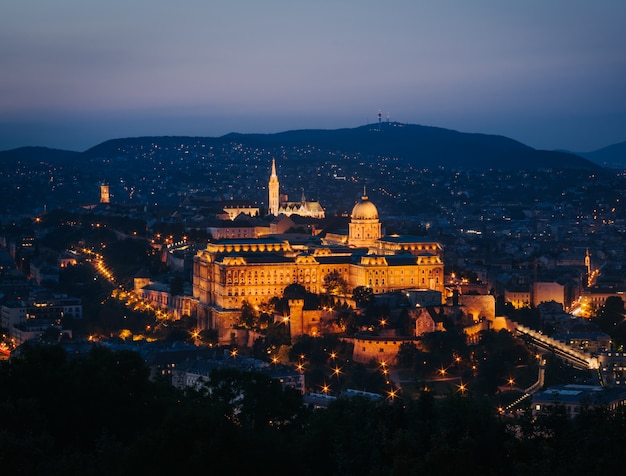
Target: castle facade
230, 271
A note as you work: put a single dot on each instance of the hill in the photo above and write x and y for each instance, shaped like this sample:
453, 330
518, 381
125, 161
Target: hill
36, 154
612, 156
421, 146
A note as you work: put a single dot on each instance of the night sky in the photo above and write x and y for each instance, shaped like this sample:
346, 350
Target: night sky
548, 73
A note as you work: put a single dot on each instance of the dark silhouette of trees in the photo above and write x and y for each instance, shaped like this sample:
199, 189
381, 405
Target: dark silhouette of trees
610, 319
99, 413
362, 296
334, 283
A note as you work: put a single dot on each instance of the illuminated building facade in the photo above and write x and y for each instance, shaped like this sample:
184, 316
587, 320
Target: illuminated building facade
277, 207
104, 194
230, 271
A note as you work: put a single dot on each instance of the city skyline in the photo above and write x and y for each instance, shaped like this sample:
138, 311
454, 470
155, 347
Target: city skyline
548, 75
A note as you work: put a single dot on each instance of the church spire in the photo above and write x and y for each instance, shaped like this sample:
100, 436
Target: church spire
273, 189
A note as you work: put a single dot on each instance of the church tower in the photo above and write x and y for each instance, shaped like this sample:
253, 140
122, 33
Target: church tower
273, 188
104, 193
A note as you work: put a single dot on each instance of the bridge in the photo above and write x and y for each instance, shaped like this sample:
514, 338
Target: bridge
577, 359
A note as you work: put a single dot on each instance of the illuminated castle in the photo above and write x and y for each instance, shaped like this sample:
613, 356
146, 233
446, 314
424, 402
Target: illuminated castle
230, 271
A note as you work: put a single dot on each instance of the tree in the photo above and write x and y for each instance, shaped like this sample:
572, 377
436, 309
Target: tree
248, 318
208, 336
362, 296
177, 286
610, 319
407, 354
335, 283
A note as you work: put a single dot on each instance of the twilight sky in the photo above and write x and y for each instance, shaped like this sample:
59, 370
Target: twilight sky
548, 73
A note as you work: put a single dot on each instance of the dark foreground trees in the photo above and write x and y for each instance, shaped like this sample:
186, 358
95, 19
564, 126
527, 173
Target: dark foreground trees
100, 414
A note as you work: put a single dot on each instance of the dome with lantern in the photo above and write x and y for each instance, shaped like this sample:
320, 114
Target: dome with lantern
364, 210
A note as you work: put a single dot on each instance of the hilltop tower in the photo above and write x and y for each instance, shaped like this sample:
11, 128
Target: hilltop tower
104, 194
273, 189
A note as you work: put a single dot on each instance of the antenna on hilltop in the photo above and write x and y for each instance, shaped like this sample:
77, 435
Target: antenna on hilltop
379, 119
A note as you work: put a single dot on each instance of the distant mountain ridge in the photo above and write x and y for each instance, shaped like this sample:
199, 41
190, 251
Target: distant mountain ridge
421, 146
613, 156
37, 153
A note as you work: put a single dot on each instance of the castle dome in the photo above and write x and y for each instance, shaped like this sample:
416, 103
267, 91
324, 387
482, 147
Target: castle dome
364, 210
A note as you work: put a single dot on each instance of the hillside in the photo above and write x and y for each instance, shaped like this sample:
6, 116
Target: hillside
613, 156
421, 146
36, 154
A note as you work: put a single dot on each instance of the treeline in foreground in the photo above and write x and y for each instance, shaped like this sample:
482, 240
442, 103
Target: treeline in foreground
100, 414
